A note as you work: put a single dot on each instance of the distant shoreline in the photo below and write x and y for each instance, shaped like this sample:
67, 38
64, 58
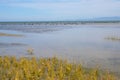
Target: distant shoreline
63, 23
60, 21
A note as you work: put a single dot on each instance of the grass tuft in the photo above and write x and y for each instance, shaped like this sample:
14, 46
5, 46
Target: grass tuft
113, 38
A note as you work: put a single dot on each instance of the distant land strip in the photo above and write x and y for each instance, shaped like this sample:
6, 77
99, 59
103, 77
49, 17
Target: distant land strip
13, 35
55, 22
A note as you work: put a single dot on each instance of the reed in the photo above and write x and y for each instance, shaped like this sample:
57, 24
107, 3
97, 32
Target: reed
47, 69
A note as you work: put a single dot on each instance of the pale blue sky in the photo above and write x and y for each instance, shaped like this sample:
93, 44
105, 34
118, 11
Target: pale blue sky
47, 10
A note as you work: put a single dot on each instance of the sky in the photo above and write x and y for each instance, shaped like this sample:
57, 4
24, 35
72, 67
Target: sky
57, 10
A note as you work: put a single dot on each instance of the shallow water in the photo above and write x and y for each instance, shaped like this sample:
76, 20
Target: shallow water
80, 43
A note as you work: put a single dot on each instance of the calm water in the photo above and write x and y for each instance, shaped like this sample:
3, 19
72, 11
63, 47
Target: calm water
80, 43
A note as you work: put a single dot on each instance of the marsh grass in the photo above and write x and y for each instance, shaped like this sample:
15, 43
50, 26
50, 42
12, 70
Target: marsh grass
47, 69
12, 35
30, 51
113, 38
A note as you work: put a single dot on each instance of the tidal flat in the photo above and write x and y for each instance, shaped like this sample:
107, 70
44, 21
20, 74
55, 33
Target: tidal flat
80, 43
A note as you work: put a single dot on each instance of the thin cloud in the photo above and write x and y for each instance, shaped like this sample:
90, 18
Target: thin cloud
36, 1
69, 9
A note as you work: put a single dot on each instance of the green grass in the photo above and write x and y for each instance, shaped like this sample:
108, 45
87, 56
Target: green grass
47, 69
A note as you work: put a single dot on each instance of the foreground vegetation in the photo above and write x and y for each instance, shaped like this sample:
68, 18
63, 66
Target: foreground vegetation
47, 69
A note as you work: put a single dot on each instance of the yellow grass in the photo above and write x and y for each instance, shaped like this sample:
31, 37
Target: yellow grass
47, 69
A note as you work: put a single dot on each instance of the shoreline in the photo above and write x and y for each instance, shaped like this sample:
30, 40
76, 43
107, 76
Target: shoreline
46, 24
